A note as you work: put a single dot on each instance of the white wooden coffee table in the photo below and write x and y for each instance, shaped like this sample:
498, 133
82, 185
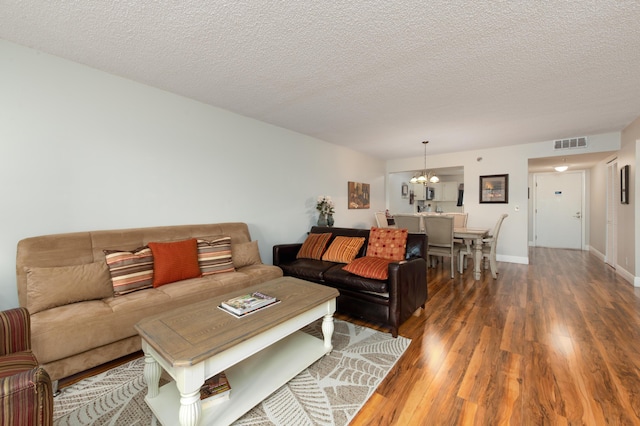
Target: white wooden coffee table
259, 353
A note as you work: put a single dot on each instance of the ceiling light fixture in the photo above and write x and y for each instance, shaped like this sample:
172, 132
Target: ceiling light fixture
562, 168
426, 176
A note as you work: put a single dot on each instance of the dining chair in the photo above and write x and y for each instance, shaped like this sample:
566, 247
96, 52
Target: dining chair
440, 242
381, 219
409, 222
459, 219
489, 247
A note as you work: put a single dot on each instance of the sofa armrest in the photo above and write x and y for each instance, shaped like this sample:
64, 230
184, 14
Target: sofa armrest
407, 290
15, 331
29, 395
408, 275
284, 253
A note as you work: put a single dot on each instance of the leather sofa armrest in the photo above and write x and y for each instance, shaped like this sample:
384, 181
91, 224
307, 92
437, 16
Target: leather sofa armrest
29, 395
407, 273
407, 290
285, 253
15, 331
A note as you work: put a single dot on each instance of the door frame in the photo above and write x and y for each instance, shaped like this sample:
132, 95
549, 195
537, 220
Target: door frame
583, 207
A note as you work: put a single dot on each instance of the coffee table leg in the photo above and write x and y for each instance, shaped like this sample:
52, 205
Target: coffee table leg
152, 371
327, 332
190, 408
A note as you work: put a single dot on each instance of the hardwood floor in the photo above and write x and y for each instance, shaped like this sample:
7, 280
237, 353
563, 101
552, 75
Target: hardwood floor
555, 342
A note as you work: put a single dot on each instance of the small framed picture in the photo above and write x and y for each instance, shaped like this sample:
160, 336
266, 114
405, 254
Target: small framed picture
624, 185
494, 189
405, 190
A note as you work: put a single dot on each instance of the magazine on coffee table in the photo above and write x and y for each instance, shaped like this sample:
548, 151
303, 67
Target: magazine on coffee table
247, 303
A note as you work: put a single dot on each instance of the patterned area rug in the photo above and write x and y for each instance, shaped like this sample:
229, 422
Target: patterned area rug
329, 392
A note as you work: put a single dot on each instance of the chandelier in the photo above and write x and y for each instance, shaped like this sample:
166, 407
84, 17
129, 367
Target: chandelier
426, 177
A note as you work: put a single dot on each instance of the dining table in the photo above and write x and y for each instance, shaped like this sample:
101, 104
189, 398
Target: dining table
473, 238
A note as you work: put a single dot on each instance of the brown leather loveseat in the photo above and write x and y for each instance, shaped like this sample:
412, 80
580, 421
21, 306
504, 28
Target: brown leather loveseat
388, 302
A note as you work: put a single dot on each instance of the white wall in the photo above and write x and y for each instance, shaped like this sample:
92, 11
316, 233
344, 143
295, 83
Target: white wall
597, 209
629, 214
511, 160
84, 150
396, 203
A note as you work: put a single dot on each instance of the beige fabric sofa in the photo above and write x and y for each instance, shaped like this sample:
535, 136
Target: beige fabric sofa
72, 335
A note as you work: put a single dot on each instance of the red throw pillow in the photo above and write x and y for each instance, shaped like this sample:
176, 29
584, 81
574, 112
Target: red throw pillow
370, 267
174, 261
313, 246
387, 243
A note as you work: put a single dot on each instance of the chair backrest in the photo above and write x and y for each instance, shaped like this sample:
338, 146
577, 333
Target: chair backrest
459, 219
496, 229
439, 230
381, 219
493, 240
408, 222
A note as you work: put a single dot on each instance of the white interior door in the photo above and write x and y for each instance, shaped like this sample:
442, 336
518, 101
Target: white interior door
558, 209
610, 256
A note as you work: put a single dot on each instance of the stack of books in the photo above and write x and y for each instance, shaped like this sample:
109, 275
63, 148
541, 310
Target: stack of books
215, 388
247, 303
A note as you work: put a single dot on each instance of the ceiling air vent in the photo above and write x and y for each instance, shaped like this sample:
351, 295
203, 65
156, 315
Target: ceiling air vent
570, 143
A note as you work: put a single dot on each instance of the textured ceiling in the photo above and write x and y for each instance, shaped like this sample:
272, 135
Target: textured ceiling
376, 76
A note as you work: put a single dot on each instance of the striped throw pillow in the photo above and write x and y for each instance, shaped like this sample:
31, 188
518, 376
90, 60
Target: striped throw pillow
214, 256
343, 249
313, 246
130, 270
370, 267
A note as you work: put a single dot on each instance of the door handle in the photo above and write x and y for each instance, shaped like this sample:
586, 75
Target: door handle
578, 215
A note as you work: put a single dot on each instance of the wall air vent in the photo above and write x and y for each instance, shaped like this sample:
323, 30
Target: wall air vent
570, 143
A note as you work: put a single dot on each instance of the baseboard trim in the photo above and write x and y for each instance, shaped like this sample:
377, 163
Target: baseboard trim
512, 259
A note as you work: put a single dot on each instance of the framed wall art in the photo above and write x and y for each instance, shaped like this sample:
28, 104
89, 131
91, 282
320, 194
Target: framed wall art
358, 195
494, 189
404, 191
624, 185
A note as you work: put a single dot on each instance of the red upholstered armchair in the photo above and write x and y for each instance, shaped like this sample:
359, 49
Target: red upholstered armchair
26, 396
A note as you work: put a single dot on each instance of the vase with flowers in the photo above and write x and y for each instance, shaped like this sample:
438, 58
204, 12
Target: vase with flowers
326, 208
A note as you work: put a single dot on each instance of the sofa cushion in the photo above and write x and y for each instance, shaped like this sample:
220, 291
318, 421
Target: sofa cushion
57, 286
306, 269
246, 254
174, 261
343, 249
370, 267
339, 277
130, 270
313, 246
214, 255
387, 243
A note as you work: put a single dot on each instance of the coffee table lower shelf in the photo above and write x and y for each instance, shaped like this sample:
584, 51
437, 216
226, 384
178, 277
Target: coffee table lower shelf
251, 380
